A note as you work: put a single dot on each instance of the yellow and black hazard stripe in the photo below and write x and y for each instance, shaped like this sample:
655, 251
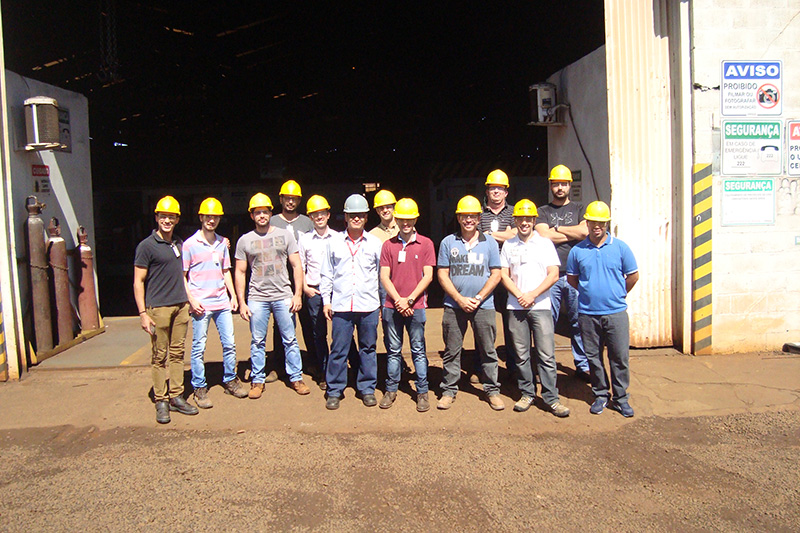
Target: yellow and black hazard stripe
702, 181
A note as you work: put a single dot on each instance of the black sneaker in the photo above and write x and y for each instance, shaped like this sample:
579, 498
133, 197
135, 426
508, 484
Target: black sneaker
162, 412
179, 404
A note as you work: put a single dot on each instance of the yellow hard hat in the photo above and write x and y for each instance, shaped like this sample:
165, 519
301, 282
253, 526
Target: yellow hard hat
497, 177
406, 208
384, 197
291, 188
525, 208
168, 204
598, 211
560, 173
210, 206
259, 200
317, 203
469, 205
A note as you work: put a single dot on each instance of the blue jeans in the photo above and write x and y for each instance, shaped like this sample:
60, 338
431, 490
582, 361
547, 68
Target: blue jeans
538, 322
282, 319
224, 321
393, 324
612, 332
559, 291
319, 325
454, 325
342, 327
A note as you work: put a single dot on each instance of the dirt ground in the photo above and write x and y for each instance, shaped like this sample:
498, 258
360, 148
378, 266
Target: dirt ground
81, 450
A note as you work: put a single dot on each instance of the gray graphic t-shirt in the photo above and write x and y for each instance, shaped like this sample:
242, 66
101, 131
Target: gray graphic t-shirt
267, 256
563, 215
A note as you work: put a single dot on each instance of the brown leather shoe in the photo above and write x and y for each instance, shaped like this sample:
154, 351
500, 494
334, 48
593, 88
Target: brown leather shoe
422, 402
496, 402
388, 399
445, 402
300, 387
256, 390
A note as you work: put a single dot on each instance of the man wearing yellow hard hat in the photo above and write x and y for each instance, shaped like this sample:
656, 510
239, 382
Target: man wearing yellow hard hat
603, 270
468, 268
290, 217
207, 264
313, 250
529, 268
160, 294
561, 221
268, 251
407, 262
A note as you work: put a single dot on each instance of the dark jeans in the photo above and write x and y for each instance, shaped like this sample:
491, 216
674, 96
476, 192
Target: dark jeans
342, 327
319, 325
454, 325
612, 332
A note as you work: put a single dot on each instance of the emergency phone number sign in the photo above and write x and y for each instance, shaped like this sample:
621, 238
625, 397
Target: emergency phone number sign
752, 148
752, 88
793, 127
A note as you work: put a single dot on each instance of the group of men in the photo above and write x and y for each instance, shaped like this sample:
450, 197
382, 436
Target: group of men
523, 261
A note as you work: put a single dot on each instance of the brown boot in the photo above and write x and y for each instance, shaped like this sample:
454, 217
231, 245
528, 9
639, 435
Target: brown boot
300, 387
256, 390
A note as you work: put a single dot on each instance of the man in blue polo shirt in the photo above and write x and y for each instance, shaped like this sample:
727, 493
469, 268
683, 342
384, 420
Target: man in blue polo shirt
604, 271
468, 271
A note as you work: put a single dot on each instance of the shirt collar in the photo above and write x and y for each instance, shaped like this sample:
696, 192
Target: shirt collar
481, 236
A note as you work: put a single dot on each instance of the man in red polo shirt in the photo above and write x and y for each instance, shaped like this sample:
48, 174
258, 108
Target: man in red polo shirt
407, 262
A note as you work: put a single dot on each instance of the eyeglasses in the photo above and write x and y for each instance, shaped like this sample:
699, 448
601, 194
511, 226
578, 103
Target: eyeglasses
171, 218
469, 216
357, 215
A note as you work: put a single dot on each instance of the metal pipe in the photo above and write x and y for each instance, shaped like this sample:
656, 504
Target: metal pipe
40, 286
57, 253
87, 296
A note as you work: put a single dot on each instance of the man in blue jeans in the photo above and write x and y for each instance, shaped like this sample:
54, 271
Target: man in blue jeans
267, 250
207, 265
562, 222
604, 271
349, 288
313, 249
468, 271
407, 261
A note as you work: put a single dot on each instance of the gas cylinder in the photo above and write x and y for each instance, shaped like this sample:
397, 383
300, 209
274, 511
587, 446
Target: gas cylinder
87, 297
57, 254
40, 285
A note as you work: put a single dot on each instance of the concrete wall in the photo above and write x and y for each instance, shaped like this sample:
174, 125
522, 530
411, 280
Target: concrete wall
756, 268
582, 85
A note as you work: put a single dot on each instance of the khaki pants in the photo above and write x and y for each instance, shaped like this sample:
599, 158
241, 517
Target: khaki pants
172, 322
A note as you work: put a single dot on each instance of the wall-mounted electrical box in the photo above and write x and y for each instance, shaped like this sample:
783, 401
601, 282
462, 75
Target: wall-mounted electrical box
544, 105
41, 123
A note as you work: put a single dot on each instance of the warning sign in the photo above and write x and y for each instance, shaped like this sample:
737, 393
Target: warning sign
793, 129
752, 148
746, 202
751, 88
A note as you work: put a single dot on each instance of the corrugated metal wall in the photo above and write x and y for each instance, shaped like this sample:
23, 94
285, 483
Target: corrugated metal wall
641, 162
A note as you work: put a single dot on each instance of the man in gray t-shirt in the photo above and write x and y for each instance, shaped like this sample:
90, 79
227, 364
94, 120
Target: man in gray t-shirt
267, 250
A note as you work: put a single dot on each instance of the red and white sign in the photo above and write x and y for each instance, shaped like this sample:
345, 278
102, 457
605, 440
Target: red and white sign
793, 135
40, 171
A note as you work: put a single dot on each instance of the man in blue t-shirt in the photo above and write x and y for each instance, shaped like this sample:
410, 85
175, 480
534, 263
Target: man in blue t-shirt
604, 271
468, 271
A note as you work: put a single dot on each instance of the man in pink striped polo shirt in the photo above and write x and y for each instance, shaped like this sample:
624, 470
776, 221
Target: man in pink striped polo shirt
207, 265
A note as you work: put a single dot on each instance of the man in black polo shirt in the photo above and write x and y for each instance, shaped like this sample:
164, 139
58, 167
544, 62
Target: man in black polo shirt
497, 220
160, 294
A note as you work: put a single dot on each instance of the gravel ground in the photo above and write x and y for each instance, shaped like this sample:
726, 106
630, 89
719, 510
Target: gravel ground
733, 473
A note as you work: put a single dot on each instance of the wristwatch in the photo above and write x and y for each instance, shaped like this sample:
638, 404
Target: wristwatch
479, 297
411, 302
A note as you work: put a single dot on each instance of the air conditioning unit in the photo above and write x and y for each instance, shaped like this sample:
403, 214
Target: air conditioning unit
41, 123
544, 105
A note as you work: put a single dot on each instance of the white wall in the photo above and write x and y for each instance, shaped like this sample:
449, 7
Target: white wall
756, 269
583, 86
70, 196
